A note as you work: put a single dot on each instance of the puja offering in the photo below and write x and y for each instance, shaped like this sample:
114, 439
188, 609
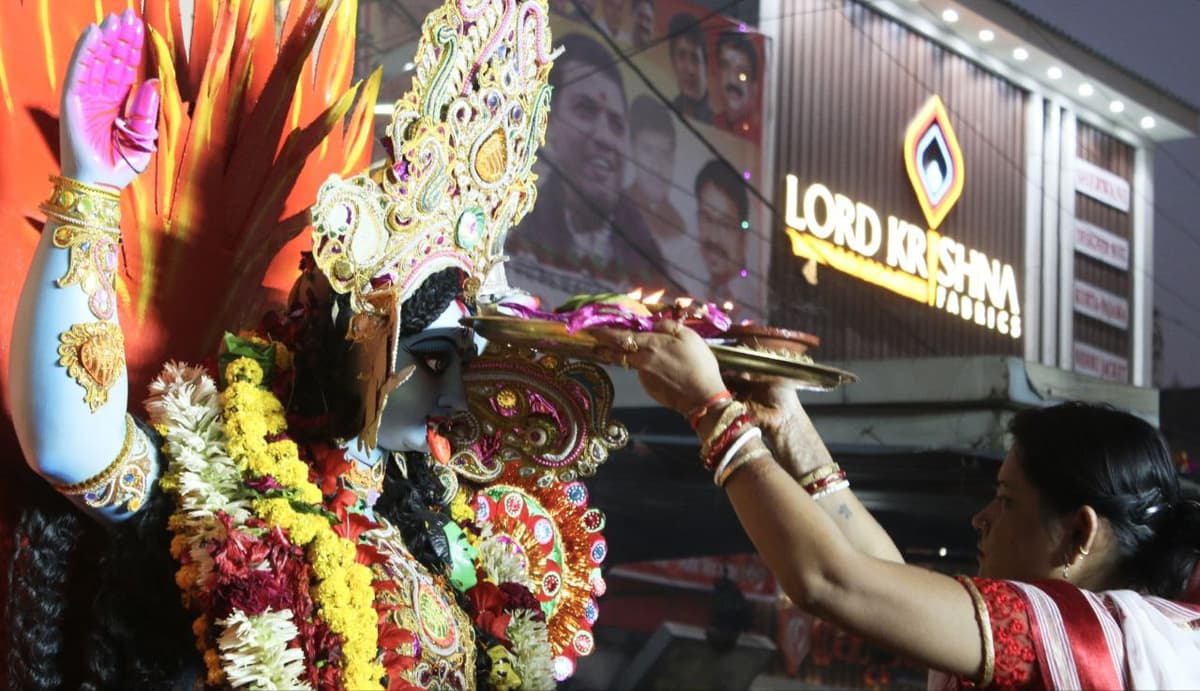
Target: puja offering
746, 347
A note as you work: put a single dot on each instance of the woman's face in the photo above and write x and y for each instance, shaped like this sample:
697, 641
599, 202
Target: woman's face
1016, 542
435, 390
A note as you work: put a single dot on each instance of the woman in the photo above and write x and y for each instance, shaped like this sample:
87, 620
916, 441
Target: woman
299, 492
1082, 552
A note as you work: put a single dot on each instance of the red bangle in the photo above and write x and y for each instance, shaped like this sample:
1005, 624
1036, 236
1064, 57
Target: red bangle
696, 414
727, 437
821, 483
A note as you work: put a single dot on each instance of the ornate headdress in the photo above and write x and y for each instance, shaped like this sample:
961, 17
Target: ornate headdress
463, 142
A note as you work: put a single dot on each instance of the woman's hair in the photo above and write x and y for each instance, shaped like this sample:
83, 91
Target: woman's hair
1079, 454
95, 608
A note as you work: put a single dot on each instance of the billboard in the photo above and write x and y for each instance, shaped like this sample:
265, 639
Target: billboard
653, 151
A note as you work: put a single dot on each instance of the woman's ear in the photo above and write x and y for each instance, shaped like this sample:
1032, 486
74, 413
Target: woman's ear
1083, 531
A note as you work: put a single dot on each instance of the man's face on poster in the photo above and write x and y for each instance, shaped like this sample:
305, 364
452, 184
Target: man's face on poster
738, 81
643, 23
588, 133
654, 154
687, 59
721, 239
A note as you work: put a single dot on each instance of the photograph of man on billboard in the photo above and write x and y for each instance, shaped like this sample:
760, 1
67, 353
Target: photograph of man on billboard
583, 222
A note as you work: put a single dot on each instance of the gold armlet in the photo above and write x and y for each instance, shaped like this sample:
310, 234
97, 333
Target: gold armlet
91, 206
125, 482
94, 355
985, 631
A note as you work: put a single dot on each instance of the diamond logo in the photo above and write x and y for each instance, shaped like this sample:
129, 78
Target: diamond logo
934, 161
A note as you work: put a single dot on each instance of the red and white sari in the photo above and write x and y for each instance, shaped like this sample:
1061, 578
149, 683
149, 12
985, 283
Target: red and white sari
1052, 635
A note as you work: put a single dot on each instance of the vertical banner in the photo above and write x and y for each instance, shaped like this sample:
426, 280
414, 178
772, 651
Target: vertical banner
653, 150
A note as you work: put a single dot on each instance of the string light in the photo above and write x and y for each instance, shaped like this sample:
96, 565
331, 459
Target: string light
745, 225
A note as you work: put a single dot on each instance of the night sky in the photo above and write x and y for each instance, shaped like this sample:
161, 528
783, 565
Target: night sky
1157, 39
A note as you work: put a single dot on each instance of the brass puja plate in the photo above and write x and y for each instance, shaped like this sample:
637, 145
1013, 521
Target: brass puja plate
550, 335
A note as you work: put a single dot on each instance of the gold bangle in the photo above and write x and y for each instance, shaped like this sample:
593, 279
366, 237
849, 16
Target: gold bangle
124, 482
740, 460
818, 474
728, 415
76, 203
988, 670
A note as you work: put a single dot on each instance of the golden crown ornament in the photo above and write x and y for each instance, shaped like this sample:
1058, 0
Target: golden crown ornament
463, 143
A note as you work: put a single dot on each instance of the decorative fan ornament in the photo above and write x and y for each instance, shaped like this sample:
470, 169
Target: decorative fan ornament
560, 542
546, 416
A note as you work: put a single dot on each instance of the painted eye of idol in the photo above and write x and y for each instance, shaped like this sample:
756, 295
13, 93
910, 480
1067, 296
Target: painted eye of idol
435, 390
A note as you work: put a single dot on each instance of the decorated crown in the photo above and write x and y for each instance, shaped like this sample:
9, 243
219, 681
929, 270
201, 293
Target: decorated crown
463, 143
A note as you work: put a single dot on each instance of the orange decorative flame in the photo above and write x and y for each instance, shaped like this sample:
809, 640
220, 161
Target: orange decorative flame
684, 302
636, 294
254, 118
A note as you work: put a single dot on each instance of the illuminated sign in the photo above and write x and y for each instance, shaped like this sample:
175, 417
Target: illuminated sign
919, 263
934, 161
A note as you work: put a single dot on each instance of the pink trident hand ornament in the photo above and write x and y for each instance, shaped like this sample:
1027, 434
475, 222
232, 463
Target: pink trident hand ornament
107, 135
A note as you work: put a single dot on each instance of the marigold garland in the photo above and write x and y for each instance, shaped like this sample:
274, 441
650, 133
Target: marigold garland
220, 444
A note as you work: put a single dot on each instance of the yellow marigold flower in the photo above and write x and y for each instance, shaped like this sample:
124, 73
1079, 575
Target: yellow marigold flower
283, 357
244, 369
200, 626
460, 508
310, 493
276, 512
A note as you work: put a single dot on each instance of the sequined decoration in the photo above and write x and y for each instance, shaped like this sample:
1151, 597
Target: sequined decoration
561, 543
125, 482
547, 416
464, 141
92, 265
444, 645
94, 355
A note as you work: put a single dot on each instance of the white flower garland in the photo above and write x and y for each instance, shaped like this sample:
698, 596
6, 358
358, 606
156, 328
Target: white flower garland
531, 648
255, 652
185, 405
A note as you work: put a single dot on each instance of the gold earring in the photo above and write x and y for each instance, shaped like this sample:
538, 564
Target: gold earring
1084, 552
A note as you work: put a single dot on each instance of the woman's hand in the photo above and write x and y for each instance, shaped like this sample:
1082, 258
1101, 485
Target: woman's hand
771, 400
675, 365
107, 137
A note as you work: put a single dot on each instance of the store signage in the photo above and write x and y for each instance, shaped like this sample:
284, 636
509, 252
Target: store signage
917, 262
1101, 185
1100, 363
1101, 245
920, 264
934, 161
1100, 304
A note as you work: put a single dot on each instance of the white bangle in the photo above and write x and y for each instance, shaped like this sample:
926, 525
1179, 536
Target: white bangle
835, 487
745, 438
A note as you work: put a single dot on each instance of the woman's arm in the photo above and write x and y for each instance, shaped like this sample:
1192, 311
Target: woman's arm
920, 614
913, 612
68, 387
800, 451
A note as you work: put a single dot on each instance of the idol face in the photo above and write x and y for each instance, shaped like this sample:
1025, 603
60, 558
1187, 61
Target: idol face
435, 392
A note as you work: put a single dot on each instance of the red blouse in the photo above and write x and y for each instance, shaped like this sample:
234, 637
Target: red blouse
1010, 660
